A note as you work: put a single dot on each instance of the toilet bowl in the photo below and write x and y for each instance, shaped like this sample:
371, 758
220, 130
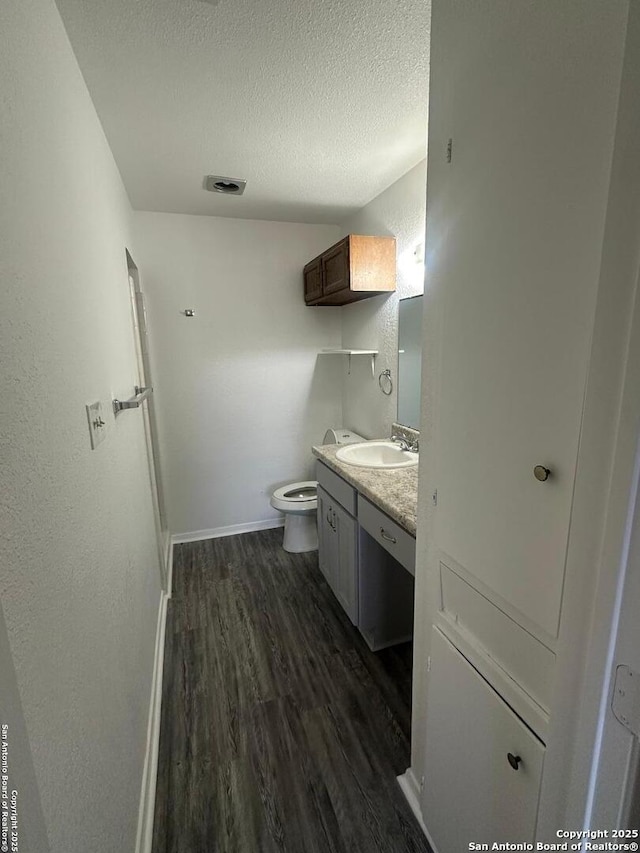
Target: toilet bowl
299, 502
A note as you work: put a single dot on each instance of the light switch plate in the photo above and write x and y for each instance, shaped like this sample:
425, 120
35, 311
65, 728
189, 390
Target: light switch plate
97, 425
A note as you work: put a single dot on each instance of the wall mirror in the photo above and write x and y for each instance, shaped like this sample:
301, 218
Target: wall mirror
409, 360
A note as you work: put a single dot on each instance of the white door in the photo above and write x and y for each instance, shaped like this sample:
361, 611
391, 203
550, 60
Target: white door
141, 340
519, 297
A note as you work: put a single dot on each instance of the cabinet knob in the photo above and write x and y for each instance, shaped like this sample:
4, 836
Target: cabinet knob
541, 473
514, 760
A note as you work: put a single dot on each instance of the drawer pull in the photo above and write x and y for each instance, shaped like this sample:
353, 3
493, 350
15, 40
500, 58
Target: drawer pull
514, 760
387, 536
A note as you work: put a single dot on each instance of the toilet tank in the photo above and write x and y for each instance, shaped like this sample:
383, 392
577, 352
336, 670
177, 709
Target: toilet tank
340, 435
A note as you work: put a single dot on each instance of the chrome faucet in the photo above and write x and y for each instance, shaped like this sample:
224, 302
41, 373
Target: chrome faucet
404, 444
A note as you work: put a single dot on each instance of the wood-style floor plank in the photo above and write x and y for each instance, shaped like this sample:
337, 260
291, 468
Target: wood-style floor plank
281, 732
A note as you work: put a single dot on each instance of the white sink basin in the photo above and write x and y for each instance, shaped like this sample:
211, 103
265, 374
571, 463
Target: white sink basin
377, 454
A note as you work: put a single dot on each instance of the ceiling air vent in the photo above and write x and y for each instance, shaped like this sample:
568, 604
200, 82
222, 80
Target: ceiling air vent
228, 186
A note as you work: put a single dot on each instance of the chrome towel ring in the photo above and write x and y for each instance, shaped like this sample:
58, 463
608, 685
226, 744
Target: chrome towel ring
385, 382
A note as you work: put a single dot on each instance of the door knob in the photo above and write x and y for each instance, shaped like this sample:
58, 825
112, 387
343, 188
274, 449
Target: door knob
541, 473
514, 760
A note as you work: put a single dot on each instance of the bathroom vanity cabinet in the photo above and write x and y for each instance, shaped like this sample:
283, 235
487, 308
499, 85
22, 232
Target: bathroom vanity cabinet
368, 561
355, 268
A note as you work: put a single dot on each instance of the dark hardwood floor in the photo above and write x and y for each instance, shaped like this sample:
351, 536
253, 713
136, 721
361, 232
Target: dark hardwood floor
280, 730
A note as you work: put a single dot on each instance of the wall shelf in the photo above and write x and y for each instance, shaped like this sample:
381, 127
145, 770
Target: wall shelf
372, 353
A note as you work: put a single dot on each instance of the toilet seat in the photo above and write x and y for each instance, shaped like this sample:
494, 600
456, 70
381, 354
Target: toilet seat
296, 497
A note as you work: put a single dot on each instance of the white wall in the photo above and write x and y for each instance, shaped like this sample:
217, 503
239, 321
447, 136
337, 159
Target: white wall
79, 579
241, 393
373, 323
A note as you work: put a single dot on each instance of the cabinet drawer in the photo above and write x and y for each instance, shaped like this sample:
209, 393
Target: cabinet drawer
338, 488
473, 739
387, 533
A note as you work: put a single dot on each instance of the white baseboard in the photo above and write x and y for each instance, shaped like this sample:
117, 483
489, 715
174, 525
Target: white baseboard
144, 837
230, 530
411, 790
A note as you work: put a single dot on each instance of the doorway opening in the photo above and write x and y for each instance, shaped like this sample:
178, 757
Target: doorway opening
141, 340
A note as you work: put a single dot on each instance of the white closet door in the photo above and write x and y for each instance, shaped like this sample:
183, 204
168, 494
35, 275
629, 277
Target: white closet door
517, 220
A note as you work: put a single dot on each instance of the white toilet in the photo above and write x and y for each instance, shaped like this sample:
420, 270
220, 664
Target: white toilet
299, 502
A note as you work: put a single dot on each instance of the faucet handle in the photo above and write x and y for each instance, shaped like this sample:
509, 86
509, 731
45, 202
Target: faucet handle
402, 441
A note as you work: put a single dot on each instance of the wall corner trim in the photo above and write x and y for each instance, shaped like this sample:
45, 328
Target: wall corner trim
146, 812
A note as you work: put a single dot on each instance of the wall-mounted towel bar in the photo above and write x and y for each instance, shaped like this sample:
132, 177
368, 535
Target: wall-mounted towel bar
133, 402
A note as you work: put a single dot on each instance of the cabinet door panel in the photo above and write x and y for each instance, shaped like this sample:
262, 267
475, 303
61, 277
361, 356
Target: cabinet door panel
312, 276
326, 560
514, 251
472, 793
335, 268
346, 584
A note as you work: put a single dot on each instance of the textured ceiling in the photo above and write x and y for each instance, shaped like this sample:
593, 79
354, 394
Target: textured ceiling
319, 104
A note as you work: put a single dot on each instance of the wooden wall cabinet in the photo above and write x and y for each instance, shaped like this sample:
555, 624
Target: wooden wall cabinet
355, 268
